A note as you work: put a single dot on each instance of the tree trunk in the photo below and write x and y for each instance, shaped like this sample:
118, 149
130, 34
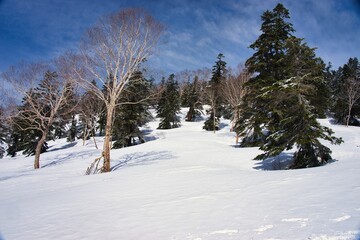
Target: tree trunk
84, 135
107, 140
38, 151
94, 140
348, 116
214, 119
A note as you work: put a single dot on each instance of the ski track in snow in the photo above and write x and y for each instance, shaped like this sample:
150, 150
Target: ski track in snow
183, 183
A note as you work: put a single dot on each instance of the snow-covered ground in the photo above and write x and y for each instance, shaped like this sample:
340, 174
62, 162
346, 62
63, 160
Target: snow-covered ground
183, 183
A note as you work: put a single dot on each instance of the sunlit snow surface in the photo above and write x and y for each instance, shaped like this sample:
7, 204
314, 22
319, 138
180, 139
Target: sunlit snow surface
183, 184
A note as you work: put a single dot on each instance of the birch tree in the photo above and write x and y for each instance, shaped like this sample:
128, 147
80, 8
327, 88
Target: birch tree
234, 91
45, 94
352, 91
111, 51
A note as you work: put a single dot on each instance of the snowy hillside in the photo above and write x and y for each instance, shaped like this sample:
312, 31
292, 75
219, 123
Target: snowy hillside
184, 183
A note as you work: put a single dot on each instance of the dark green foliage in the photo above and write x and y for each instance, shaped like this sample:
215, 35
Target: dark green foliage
184, 98
214, 94
268, 59
58, 129
101, 123
169, 105
295, 124
30, 142
70, 109
133, 114
269, 64
282, 101
73, 130
212, 123
345, 84
193, 101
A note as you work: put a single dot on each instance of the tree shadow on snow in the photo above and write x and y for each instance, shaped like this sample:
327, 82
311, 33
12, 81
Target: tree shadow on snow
148, 135
141, 158
280, 162
4, 178
62, 158
223, 125
69, 145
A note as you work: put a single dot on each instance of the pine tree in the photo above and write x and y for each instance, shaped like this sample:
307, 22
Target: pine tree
214, 94
169, 105
133, 115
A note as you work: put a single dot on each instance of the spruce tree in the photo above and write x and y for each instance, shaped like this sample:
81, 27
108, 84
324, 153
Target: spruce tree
214, 95
295, 122
133, 114
193, 101
185, 95
268, 63
169, 105
282, 98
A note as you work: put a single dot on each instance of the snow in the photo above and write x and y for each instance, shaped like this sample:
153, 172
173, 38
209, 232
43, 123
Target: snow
184, 183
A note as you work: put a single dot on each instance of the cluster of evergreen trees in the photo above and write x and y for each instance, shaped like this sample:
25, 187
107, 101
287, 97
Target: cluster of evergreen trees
274, 102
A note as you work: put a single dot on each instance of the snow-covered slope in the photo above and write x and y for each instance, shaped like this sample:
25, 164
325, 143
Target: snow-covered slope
183, 183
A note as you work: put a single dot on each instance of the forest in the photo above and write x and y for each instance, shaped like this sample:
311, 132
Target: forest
104, 89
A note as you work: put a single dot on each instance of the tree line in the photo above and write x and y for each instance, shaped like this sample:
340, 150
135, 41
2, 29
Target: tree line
273, 100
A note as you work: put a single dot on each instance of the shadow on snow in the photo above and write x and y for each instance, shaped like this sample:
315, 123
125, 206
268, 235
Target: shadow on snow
280, 162
142, 158
69, 145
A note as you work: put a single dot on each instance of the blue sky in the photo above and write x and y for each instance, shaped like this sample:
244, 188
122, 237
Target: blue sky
196, 30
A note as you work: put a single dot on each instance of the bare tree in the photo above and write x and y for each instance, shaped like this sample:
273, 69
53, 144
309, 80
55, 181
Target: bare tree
234, 91
42, 107
90, 107
111, 52
352, 90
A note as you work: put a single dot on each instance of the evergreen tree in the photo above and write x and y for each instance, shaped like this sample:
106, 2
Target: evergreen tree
169, 105
133, 114
102, 118
290, 100
184, 98
71, 110
283, 97
214, 94
193, 101
346, 93
268, 62
58, 129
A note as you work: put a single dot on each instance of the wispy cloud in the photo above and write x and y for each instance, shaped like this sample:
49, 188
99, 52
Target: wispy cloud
197, 30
